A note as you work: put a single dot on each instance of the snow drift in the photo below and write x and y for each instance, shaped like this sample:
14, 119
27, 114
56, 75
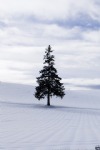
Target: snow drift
28, 124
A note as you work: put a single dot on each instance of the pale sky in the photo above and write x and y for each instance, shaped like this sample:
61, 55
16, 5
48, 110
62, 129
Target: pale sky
71, 27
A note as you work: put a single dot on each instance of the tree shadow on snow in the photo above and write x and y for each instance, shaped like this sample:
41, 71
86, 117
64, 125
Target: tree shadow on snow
92, 111
30, 105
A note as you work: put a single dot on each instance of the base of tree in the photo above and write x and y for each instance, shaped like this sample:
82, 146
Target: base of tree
48, 104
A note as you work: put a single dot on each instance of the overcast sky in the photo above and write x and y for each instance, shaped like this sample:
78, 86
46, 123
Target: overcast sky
71, 27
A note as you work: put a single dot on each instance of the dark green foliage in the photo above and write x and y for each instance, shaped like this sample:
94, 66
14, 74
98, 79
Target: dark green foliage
49, 82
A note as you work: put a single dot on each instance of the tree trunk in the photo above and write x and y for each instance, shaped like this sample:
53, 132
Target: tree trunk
48, 100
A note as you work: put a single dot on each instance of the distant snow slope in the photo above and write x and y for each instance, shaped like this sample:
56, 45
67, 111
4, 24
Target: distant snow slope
28, 124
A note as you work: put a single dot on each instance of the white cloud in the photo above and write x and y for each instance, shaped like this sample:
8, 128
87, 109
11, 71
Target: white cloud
50, 9
92, 36
27, 27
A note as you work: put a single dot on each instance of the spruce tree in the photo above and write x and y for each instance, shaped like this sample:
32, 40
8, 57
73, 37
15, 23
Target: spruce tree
49, 82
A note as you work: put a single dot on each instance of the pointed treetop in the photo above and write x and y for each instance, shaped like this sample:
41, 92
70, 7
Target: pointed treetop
49, 59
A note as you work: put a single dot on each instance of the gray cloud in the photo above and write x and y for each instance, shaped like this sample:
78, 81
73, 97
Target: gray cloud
96, 87
84, 84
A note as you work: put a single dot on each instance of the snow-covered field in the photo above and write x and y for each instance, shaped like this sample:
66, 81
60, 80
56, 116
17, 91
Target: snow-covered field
69, 124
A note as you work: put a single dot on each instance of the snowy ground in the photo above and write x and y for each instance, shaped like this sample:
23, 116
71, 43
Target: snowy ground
69, 124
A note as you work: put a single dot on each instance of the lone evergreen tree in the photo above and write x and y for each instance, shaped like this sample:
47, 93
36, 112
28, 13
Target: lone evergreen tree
49, 82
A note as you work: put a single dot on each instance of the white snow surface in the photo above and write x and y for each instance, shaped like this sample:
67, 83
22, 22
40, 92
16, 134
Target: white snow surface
28, 124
